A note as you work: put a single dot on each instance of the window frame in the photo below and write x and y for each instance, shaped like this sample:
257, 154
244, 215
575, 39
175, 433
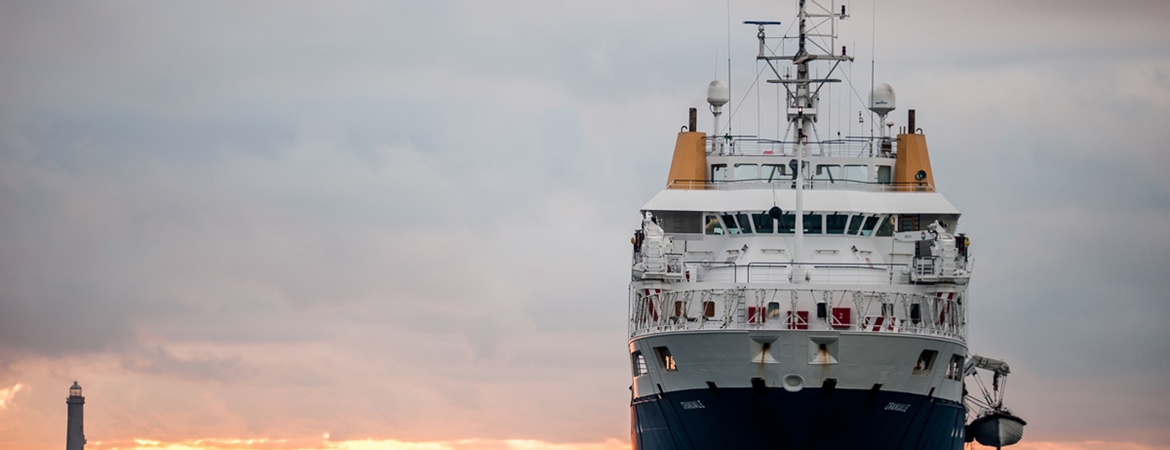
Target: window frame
884, 174
828, 175
720, 168
718, 225
869, 230
781, 223
756, 224
736, 172
882, 230
732, 228
858, 219
927, 358
783, 172
820, 223
864, 172
741, 217
638, 360
825, 223
666, 359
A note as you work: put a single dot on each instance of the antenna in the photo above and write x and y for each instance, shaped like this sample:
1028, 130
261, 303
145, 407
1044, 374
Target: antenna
872, 56
871, 86
729, 78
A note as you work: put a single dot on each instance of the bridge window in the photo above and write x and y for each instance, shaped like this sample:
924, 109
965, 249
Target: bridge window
745, 225
883, 175
718, 172
855, 224
729, 222
812, 223
871, 224
673, 222
835, 223
787, 223
764, 223
712, 225
737, 224
772, 172
887, 228
856, 173
746, 172
828, 172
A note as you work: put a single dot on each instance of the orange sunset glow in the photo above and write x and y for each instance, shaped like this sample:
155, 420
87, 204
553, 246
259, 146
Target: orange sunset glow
368, 444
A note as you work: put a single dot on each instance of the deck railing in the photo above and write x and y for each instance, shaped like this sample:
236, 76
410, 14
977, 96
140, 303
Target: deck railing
781, 272
754, 146
812, 184
937, 314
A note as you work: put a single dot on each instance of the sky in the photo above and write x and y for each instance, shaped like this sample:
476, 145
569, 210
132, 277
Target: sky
405, 225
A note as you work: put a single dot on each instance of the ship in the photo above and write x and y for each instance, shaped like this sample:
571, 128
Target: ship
798, 292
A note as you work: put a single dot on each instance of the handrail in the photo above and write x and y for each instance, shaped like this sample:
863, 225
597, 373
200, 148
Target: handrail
884, 267
936, 314
741, 145
709, 265
787, 183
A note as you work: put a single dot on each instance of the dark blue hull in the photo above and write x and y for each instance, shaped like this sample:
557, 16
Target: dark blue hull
773, 418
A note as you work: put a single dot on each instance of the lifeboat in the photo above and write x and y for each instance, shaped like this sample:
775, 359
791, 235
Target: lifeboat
996, 429
995, 426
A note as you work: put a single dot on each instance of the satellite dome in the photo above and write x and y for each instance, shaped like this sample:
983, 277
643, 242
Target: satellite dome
718, 94
881, 100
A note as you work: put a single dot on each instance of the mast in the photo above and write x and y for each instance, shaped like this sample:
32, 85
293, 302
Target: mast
804, 92
802, 126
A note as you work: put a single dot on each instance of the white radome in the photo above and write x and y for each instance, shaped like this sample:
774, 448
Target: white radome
881, 100
718, 94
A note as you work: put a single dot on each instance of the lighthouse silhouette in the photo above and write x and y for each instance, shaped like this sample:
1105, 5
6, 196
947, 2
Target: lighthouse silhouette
75, 439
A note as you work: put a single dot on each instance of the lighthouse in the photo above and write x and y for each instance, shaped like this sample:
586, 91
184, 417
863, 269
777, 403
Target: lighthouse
75, 439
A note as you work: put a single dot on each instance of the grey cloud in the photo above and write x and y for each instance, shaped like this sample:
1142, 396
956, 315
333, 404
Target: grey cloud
205, 368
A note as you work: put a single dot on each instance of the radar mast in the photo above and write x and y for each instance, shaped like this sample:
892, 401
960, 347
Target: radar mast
816, 41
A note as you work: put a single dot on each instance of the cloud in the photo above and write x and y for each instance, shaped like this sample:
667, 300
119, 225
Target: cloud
204, 367
7, 394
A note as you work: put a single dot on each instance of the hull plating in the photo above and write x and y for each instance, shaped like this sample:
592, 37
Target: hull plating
811, 419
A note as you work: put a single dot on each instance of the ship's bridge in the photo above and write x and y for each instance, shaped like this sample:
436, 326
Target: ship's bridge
856, 163
763, 196
741, 233
848, 164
